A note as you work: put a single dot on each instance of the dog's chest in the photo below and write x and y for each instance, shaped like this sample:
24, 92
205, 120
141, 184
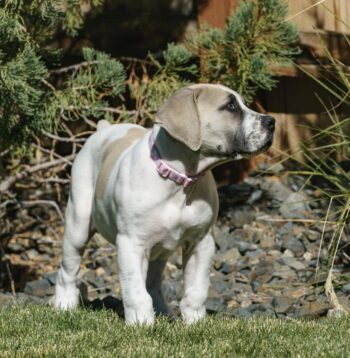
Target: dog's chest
180, 224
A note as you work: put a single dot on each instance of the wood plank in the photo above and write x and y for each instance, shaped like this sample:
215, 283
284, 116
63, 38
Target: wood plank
214, 12
330, 15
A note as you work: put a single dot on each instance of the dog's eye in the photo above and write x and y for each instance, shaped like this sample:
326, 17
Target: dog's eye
232, 106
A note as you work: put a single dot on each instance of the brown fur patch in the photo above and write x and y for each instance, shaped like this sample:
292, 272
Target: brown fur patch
111, 155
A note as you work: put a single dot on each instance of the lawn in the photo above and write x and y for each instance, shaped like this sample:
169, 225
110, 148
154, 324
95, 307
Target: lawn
36, 331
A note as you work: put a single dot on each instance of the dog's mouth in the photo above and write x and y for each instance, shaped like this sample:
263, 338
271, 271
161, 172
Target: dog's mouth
248, 155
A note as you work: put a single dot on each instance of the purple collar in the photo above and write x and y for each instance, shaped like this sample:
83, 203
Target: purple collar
166, 171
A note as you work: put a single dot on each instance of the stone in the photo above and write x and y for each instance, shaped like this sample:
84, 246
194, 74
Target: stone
273, 255
255, 285
287, 253
295, 206
230, 257
282, 304
267, 242
255, 256
241, 313
244, 246
252, 233
255, 196
292, 263
30, 254
285, 273
6, 299
308, 256
227, 268
223, 239
261, 310
276, 189
215, 305
296, 293
15, 247
346, 289
39, 288
219, 286
313, 309
93, 279
296, 246
313, 235
51, 277
99, 241
263, 267
241, 216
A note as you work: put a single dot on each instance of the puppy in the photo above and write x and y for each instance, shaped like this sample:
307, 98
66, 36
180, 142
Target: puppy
149, 192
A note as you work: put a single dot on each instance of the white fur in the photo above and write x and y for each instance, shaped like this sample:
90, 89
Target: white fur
147, 217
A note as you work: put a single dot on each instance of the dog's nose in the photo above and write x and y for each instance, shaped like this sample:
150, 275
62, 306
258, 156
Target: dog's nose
268, 122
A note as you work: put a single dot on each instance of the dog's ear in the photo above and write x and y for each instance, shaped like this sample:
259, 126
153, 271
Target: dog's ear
179, 117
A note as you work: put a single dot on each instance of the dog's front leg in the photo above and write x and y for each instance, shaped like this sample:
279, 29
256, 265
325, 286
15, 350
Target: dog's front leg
196, 279
133, 264
154, 285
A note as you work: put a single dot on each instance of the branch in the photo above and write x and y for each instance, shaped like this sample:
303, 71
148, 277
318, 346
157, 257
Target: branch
7, 183
64, 139
74, 67
44, 202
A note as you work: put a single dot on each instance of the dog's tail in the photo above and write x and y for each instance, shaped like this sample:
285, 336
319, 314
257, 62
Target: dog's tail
102, 124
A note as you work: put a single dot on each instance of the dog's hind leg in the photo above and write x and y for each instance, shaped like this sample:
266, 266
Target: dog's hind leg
154, 285
76, 234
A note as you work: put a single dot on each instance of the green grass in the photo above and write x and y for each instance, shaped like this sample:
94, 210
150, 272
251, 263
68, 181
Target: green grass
37, 331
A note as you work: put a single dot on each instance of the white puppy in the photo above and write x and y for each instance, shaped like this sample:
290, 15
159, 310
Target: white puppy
150, 192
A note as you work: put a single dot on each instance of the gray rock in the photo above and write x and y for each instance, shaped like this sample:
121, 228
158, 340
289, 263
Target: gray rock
230, 257
30, 254
295, 206
296, 246
223, 239
282, 304
215, 305
219, 286
346, 289
6, 299
285, 273
51, 277
244, 246
255, 286
276, 189
15, 247
293, 263
252, 233
263, 267
255, 196
285, 231
241, 313
94, 280
23, 298
313, 235
227, 268
261, 310
39, 288
242, 215
267, 242
313, 309
255, 256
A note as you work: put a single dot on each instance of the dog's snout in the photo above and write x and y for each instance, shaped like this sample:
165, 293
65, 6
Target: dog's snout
268, 122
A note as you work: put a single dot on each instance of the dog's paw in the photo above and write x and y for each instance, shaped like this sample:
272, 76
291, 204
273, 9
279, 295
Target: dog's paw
139, 316
191, 315
66, 298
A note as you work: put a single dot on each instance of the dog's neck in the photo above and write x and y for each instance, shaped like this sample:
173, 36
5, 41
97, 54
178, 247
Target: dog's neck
180, 157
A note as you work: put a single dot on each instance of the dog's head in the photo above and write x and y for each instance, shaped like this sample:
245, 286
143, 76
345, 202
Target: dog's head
215, 120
